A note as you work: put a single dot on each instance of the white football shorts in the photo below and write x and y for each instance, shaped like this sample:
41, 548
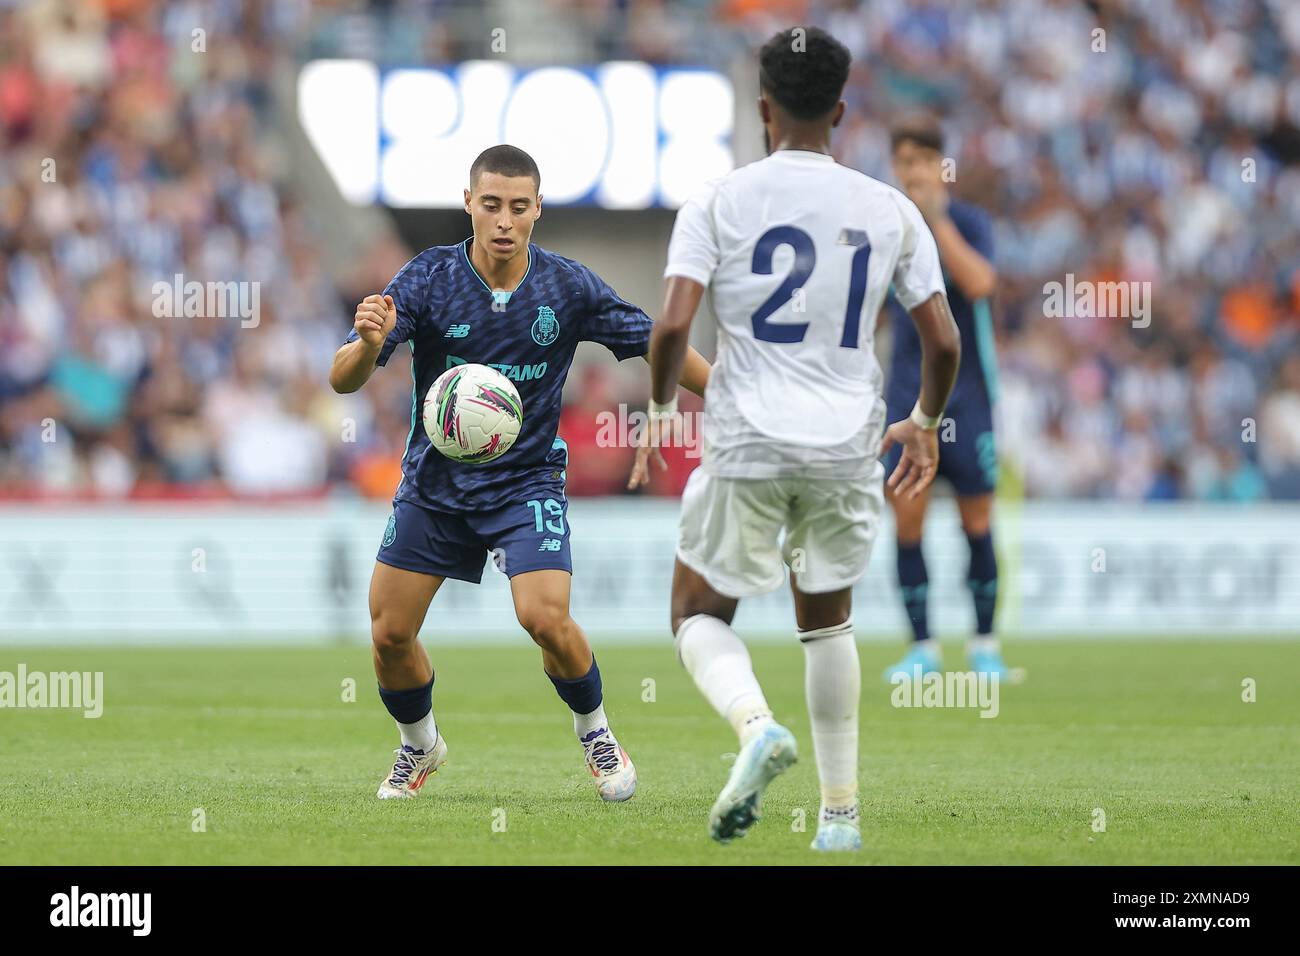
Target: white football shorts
731, 531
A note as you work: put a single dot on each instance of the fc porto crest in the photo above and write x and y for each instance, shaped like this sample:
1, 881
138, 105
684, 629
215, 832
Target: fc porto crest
390, 532
546, 327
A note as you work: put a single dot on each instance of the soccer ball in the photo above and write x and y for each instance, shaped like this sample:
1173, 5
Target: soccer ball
472, 414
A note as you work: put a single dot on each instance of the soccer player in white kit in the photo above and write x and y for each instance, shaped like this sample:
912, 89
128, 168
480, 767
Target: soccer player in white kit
797, 253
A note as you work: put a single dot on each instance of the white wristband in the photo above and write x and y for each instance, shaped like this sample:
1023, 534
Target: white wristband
659, 412
921, 420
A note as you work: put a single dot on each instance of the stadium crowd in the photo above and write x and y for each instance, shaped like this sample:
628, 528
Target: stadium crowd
1164, 149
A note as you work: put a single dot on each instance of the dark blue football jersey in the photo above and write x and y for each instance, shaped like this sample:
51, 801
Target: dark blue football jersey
977, 375
445, 314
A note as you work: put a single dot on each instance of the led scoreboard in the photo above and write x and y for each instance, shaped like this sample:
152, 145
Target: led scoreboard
622, 135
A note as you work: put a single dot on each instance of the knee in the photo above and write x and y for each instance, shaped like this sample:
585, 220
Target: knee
825, 611
908, 527
679, 617
975, 526
545, 622
683, 607
391, 636
677, 613
694, 597
683, 610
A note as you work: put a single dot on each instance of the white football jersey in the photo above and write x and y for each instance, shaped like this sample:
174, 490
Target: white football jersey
798, 253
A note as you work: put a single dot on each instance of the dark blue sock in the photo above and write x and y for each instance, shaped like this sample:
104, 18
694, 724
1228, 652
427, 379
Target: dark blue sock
914, 584
408, 706
983, 580
582, 694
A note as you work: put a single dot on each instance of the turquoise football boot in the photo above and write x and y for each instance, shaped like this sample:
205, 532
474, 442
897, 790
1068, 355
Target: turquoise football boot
923, 654
989, 661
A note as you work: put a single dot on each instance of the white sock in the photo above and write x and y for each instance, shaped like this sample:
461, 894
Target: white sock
840, 814
832, 682
584, 724
982, 645
422, 734
719, 663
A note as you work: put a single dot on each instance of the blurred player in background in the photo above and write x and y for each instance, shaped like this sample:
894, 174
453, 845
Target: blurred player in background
964, 234
794, 249
494, 299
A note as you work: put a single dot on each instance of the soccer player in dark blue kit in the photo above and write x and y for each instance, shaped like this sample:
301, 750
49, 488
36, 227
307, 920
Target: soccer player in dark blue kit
963, 233
497, 300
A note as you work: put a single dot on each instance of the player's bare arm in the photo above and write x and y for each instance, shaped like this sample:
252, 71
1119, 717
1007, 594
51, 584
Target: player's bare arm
695, 372
940, 357
672, 362
354, 363
971, 272
670, 338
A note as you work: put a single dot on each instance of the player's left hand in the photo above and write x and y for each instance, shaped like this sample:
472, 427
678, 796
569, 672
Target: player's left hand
931, 200
919, 461
647, 451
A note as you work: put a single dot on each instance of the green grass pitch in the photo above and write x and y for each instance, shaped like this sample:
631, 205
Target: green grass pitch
1154, 733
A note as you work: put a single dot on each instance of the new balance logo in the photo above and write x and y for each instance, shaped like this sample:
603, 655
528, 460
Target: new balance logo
457, 332
549, 544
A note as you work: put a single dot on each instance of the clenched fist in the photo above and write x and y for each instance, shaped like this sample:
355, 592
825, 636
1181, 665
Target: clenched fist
375, 318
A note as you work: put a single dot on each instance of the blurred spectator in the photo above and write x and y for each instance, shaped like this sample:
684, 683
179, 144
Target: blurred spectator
600, 455
1279, 433
1159, 150
1164, 150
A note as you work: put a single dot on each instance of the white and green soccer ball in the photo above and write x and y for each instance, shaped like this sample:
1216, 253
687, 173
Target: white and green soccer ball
472, 414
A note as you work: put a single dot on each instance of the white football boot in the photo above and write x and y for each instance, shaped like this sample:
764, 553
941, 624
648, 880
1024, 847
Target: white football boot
768, 754
410, 770
610, 765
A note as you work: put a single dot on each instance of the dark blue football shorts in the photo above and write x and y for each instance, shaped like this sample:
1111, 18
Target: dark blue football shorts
530, 535
970, 460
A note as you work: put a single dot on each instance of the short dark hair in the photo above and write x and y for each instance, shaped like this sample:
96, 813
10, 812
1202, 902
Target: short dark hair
924, 131
804, 70
505, 160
